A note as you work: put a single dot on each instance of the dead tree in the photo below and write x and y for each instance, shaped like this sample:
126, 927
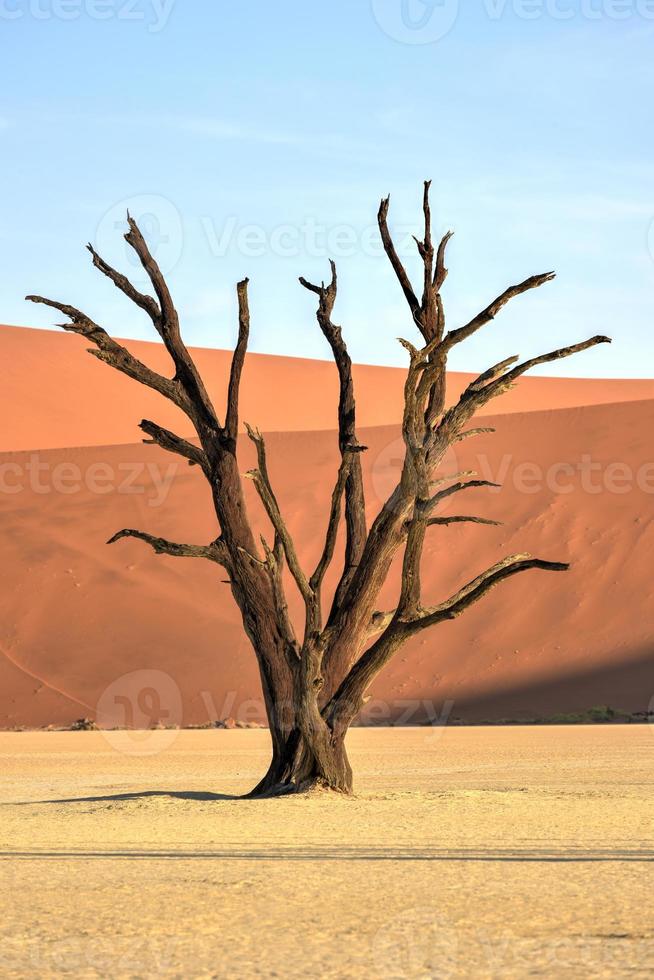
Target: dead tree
315, 680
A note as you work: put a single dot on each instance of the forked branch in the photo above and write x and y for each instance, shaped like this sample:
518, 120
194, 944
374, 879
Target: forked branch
479, 587
427, 313
498, 380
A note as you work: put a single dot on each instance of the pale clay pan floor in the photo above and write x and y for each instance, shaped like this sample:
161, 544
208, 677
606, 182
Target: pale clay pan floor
510, 852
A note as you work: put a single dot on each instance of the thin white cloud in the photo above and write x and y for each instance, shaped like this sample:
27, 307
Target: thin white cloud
229, 131
226, 130
581, 207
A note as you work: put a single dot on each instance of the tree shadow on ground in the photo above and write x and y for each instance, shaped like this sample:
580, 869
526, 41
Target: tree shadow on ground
117, 797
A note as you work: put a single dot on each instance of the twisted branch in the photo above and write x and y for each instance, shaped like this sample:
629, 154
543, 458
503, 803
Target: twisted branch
216, 551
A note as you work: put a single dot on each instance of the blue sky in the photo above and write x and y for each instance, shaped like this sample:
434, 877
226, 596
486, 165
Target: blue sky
256, 138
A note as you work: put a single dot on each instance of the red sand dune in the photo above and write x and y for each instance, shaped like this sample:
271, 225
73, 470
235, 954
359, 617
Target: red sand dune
53, 395
77, 616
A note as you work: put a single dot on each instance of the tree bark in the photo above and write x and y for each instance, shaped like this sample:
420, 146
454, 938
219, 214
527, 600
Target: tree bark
301, 763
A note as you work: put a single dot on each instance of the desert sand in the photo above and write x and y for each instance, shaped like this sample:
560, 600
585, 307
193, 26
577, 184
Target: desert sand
82, 623
65, 398
465, 853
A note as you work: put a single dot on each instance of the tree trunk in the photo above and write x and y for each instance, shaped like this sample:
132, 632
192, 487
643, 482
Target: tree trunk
304, 763
307, 753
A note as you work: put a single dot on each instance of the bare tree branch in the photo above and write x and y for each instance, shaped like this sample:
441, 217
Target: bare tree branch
146, 302
440, 274
442, 495
261, 480
238, 360
444, 521
462, 333
489, 385
118, 357
275, 566
480, 586
332, 527
167, 325
428, 314
555, 355
175, 444
394, 259
215, 551
380, 621
492, 373
348, 699
461, 436
428, 311
355, 505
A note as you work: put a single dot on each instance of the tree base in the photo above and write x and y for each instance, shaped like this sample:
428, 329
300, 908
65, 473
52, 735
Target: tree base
309, 786
299, 768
